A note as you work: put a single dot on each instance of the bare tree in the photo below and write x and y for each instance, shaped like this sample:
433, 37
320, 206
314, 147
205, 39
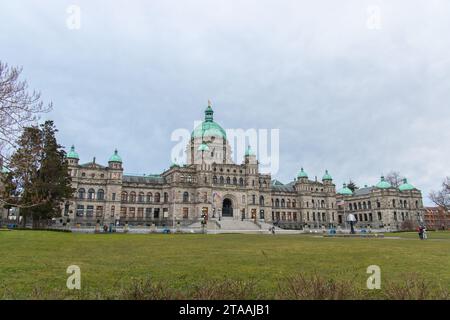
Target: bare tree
442, 197
394, 178
18, 108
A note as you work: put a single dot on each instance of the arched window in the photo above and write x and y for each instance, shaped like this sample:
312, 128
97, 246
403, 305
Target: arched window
81, 193
215, 180
228, 180
100, 194
234, 181
369, 205
282, 203
186, 196
221, 180
277, 203
294, 203
253, 199
322, 204
157, 197
124, 197
261, 200
141, 197
149, 197
288, 203
132, 197
241, 181
91, 194
113, 210
166, 197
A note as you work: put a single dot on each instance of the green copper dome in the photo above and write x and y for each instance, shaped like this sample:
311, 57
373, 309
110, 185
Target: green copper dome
203, 147
209, 128
383, 184
345, 191
302, 174
406, 186
249, 151
327, 176
72, 154
115, 157
174, 164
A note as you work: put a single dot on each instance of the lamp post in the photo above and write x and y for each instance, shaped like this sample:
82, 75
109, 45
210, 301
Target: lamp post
351, 219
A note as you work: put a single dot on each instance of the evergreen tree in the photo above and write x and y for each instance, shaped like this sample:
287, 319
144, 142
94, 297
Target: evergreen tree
53, 183
352, 186
40, 174
24, 166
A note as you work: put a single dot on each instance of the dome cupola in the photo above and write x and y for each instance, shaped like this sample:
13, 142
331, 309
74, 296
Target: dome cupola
345, 191
406, 186
72, 154
209, 128
115, 157
302, 174
383, 184
327, 176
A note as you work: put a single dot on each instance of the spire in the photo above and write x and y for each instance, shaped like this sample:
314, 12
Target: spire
209, 113
249, 151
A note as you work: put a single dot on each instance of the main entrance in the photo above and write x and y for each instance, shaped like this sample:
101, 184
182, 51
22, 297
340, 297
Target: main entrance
227, 208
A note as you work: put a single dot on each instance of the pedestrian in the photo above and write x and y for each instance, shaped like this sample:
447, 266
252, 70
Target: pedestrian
424, 233
420, 232
273, 230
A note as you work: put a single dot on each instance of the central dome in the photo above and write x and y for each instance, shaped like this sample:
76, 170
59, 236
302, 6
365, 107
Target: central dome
209, 128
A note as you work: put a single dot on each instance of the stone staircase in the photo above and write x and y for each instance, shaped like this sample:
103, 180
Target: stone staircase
233, 225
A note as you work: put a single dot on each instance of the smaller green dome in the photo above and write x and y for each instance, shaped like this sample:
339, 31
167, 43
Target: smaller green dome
72, 154
345, 191
115, 157
249, 151
203, 147
383, 184
302, 174
406, 186
327, 176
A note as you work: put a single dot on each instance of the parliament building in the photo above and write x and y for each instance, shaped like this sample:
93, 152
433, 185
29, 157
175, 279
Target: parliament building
211, 187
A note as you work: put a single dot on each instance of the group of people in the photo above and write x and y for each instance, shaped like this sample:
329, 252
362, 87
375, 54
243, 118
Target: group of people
422, 232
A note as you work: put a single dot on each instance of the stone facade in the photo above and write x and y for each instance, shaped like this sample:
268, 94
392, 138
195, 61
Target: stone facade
211, 185
377, 207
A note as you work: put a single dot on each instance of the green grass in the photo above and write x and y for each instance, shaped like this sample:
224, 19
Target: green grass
37, 260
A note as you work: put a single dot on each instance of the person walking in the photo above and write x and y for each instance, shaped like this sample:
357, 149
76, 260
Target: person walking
420, 232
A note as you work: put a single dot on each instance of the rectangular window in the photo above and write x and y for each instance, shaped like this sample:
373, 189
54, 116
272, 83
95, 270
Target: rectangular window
99, 211
379, 216
113, 196
80, 210
140, 213
89, 211
132, 212
185, 213
156, 213
148, 212
165, 212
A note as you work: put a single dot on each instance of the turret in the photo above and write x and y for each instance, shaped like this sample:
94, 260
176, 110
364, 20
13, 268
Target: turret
72, 157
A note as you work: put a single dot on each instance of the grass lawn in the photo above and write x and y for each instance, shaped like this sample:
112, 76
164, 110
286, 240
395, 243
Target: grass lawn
37, 260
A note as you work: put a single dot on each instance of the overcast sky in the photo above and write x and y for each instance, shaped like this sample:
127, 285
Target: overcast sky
351, 91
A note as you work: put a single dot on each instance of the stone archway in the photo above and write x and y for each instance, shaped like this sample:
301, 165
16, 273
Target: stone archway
227, 208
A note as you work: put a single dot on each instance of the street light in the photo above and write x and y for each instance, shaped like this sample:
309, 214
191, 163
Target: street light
351, 219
